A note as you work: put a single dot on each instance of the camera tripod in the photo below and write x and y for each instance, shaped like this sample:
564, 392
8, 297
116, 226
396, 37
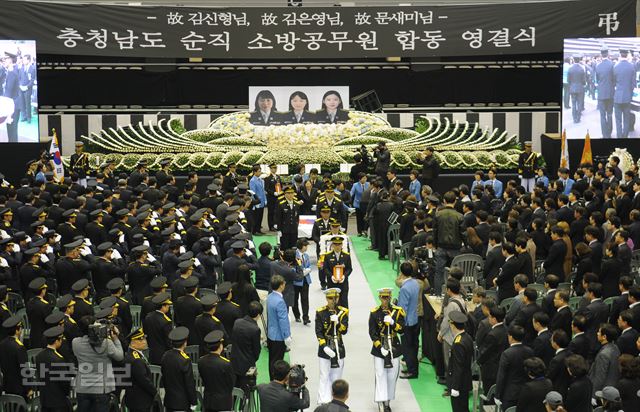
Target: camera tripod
251, 402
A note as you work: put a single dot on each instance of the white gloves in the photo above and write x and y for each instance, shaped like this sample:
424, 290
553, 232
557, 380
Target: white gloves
288, 341
306, 271
275, 227
58, 237
279, 234
45, 229
206, 223
153, 222
384, 352
455, 393
115, 254
121, 238
3, 263
179, 226
44, 258
214, 250
49, 249
87, 241
16, 247
193, 407
389, 320
183, 250
196, 262
334, 318
151, 258
330, 353
85, 251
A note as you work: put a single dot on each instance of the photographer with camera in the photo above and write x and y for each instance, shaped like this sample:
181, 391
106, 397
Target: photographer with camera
95, 351
285, 392
383, 161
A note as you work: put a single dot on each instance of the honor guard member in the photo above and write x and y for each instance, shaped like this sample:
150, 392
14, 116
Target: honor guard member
67, 305
83, 307
95, 230
54, 373
57, 318
337, 268
68, 230
332, 322
30, 269
227, 310
330, 199
7, 221
80, 163
185, 267
188, 307
217, 375
38, 308
207, 321
104, 269
71, 267
325, 241
459, 373
229, 181
527, 165
273, 188
5, 313
140, 391
137, 176
321, 226
177, 374
13, 355
159, 285
385, 324
116, 288
288, 219
140, 273
157, 325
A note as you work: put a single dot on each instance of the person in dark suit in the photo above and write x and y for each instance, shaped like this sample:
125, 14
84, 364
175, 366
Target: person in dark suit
596, 313
557, 371
511, 375
524, 317
274, 395
309, 196
265, 110
591, 235
492, 346
554, 263
624, 77
332, 109
504, 280
579, 344
246, 348
577, 78
542, 343
298, 110
624, 252
27, 80
551, 283
605, 369
12, 91
217, 375
626, 342
562, 318
459, 373
534, 391
621, 303
629, 383
141, 392
605, 88
580, 392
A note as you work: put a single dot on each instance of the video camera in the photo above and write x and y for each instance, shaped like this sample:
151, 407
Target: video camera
99, 331
297, 378
252, 378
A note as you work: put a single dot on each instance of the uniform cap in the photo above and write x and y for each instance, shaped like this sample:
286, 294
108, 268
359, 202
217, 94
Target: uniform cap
234, 230
165, 162
38, 283
289, 189
239, 244
20, 236
96, 213
224, 288
457, 317
191, 282
168, 206
80, 285
137, 334
104, 313
385, 292
174, 243
325, 209
168, 231
337, 240
329, 188
6, 240
185, 264
35, 224
54, 332
32, 251
65, 301
332, 292
79, 144
50, 233
209, 300
38, 212
214, 337
242, 236
243, 186
74, 244
122, 212
70, 213
159, 282
143, 216
140, 248
54, 318
179, 334
186, 256
6, 211
196, 217
433, 199
103, 247
40, 242
231, 217
115, 284
528, 143
609, 393
335, 223
213, 187
108, 302
12, 322
233, 208
163, 298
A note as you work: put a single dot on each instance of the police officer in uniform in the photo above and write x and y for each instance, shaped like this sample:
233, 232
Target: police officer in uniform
459, 373
66, 304
337, 268
227, 310
287, 219
81, 292
273, 188
330, 199
5, 313
177, 374
104, 269
141, 392
188, 307
38, 308
79, 163
116, 288
71, 267
54, 373
157, 325
321, 227
68, 230
332, 322
163, 176
207, 321
527, 165
140, 273
13, 354
159, 285
217, 375
386, 322
95, 230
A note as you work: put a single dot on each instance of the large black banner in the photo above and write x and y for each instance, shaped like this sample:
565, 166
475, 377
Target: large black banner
329, 32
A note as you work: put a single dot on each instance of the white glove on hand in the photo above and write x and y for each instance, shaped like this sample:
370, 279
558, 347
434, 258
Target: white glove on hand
330, 353
16, 247
87, 241
288, 341
193, 407
384, 352
183, 250
3, 263
49, 249
196, 262
455, 393
151, 258
279, 234
389, 320
153, 222
85, 251
179, 226
44, 258
334, 318
306, 271
121, 238
275, 227
594, 403
57, 238
206, 223
146, 243
115, 254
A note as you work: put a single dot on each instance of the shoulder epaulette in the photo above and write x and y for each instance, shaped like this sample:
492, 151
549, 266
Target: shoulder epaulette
184, 355
375, 309
282, 202
216, 319
319, 219
343, 309
135, 355
458, 339
344, 252
321, 308
234, 303
124, 300
167, 318
224, 359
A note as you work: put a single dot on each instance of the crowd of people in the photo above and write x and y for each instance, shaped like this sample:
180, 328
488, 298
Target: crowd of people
134, 273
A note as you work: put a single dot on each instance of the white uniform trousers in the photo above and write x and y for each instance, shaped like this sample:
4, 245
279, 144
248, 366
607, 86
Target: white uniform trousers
385, 379
328, 375
529, 183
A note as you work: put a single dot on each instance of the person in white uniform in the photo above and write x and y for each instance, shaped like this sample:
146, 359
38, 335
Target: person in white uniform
332, 322
386, 322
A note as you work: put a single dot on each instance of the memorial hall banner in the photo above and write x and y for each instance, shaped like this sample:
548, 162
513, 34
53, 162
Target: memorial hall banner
308, 32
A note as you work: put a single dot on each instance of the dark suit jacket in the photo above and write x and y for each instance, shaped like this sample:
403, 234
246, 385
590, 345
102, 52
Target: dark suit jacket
610, 276
580, 345
490, 351
579, 395
341, 116
562, 320
624, 254
305, 117
619, 304
532, 395
558, 374
554, 263
511, 374
246, 345
504, 280
596, 312
542, 347
492, 265
627, 342
547, 304
524, 318
274, 397
596, 255
629, 393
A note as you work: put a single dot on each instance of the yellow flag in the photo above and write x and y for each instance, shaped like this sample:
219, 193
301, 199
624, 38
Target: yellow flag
564, 150
587, 155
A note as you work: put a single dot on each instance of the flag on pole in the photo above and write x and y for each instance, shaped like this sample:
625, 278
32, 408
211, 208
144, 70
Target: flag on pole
54, 151
564, 150
587, 155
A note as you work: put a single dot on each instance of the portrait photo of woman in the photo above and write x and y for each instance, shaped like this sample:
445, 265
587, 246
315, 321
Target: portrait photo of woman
265, 111
298, 109
332, 111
